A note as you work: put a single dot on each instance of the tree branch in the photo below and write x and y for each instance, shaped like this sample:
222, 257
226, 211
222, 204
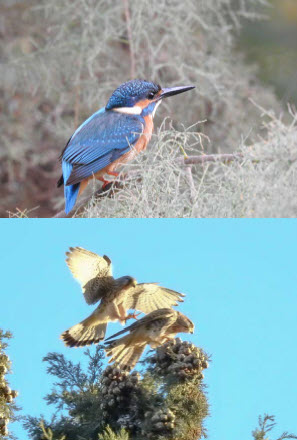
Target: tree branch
191, 184
225, 158
129, 31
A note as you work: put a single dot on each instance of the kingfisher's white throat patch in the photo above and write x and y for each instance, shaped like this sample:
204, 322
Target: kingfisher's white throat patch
136, 110
156, 106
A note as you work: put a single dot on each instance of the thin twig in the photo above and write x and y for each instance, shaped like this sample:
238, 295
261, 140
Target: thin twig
190, 160
129, 31
225, 158
83, 200
190, 180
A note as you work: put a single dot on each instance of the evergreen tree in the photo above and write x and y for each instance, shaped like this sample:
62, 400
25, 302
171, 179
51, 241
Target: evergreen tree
266, 424
165, 400
7, 396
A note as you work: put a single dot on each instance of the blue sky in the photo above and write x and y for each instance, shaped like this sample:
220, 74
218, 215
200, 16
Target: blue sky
240, 279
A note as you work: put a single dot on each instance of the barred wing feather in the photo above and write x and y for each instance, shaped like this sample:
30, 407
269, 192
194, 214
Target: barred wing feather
90, 270
147, 297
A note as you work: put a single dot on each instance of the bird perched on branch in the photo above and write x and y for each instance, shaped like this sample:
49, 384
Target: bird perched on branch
153, 329
117, 296
112, 136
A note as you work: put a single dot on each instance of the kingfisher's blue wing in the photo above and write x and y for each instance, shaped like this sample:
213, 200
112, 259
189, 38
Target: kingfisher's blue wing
99, 141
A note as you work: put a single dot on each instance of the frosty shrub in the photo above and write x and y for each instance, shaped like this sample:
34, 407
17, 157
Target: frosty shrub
60, 61
260, 182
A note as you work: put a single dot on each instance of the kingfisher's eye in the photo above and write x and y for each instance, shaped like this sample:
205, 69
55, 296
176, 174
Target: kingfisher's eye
150, 95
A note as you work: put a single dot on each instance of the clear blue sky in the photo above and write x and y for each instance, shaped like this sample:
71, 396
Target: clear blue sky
240, 278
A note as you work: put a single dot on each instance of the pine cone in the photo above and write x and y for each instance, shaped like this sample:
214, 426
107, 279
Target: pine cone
14, 394
3, 370
160, 422
182, 360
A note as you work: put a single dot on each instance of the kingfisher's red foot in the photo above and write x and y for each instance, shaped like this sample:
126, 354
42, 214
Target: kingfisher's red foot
105, 182
113, 173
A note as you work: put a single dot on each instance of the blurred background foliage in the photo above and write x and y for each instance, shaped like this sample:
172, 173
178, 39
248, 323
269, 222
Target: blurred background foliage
272, 45
61, 60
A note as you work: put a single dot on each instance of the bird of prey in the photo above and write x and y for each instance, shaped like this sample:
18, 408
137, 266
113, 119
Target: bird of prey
153, 329
112, 136
117, 296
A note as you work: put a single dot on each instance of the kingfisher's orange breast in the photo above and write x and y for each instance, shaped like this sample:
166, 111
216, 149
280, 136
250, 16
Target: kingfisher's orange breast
139, 146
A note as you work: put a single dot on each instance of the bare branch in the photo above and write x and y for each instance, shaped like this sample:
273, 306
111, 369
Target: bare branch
129, 31
225, 158
190, 181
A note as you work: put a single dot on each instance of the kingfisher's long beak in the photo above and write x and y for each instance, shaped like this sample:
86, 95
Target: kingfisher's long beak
174, 91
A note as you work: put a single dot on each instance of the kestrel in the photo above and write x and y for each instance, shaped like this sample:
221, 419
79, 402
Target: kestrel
153, 329
117, 296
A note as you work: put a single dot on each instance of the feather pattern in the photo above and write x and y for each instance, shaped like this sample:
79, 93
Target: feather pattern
160, 316
94, 273
71, 191
152, 329
146, 297
99, 141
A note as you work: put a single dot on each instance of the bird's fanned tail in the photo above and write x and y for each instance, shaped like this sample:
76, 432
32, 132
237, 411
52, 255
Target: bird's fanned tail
70, 191
80, 335
123, 354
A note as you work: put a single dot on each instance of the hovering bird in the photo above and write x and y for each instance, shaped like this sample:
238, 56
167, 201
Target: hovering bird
112, 136
117, 296
153, 329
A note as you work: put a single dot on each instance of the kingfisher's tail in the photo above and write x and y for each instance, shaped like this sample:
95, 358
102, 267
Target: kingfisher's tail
70, 194
70, 191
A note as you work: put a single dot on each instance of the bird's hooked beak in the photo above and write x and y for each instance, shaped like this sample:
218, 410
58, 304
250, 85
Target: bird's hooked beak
134, 283
173, 91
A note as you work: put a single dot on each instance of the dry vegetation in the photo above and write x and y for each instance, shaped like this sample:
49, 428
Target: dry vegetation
61, 60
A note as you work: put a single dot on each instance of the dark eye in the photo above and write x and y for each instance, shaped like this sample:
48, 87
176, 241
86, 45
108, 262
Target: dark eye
150, 95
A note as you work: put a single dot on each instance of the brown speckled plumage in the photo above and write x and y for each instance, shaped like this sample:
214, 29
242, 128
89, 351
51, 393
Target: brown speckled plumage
153, 329
116, 296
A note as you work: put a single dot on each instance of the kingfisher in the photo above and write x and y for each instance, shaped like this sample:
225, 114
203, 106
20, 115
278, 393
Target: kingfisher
112, 136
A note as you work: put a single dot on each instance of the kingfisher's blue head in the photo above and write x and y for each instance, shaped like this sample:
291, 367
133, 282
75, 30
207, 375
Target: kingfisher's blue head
140, 97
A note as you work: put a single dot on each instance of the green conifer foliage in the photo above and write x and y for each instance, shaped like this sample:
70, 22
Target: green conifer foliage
166, 400
7, 396
266, 424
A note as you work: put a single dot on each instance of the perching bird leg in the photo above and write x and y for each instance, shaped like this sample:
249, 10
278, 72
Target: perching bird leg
113, 173
105, 182
121, 313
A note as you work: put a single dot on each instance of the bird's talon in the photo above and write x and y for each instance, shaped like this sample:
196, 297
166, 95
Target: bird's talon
105, 184
113, 173
132, 316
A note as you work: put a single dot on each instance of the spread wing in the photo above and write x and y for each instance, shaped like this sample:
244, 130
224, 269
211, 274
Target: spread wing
99, 141
147, 297
160, 317
126, 351
91, 271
